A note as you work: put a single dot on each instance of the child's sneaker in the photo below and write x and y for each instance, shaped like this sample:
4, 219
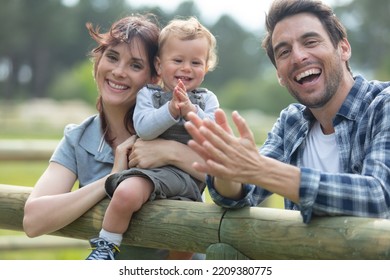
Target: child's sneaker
102, 249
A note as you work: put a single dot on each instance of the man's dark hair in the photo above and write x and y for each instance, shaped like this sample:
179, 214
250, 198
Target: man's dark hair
280, 9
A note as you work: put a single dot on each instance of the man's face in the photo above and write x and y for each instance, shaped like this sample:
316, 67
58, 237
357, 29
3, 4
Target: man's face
307, 62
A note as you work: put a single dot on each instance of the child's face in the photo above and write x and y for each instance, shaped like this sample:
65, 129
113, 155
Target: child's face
185, 60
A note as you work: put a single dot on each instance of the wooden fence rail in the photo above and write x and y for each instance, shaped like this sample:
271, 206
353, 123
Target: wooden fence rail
252, 232
26, 149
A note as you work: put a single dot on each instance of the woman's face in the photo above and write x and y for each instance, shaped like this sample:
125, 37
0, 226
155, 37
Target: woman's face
122, 71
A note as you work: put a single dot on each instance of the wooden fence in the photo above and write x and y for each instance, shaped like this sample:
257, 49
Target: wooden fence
248, 233
23, 149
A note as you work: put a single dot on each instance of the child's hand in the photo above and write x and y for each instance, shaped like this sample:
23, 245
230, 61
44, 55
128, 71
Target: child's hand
174, 108
184, 105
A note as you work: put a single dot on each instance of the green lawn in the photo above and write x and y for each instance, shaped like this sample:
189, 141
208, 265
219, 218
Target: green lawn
21, 173
39, 254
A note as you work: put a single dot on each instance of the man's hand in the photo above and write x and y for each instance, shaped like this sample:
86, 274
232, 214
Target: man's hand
226, 156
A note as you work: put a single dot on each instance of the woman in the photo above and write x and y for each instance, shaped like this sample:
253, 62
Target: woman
105, 143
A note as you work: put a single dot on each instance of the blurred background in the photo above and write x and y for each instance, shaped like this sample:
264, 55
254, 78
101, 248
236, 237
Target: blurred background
46, 76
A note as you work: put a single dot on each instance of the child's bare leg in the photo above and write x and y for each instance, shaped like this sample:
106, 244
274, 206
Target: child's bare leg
128, 198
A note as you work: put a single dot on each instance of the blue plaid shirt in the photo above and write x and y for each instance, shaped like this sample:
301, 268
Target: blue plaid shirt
362, 130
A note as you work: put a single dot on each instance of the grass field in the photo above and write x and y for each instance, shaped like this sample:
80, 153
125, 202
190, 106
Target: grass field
21, 173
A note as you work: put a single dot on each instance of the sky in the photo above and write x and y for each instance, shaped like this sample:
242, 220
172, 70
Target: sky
248, 13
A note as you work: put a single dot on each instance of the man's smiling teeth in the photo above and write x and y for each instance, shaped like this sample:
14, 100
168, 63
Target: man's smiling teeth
307, 73
116, 86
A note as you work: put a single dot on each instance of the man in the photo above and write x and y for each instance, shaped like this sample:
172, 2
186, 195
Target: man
327, 155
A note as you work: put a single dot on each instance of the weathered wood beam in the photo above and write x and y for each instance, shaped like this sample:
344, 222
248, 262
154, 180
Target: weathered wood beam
255, 232
179, 225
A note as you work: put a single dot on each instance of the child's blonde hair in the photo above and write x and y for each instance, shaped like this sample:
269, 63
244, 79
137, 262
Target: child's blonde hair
189, 29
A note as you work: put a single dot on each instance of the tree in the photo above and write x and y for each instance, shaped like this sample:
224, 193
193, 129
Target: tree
368, 31
239, 53
46, 37
76, 83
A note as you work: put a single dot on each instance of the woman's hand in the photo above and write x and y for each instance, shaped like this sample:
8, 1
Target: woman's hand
122, 153
149, 154
160, 152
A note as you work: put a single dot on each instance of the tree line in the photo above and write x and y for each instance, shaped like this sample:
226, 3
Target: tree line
44, 47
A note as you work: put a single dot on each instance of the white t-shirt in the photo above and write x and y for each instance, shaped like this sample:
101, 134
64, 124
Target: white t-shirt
321, 151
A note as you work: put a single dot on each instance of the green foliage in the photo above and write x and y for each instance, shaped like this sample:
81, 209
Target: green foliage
76, 83
383, 72
264, 94
368, 32
240, 56
51, 38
